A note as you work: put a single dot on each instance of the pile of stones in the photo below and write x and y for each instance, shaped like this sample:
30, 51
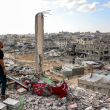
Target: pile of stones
83, 98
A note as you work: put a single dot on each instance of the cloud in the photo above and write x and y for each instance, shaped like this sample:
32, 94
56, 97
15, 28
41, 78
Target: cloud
47, 8
56, 6
67, 3
107, 4
74, 3
71, 13
89, 8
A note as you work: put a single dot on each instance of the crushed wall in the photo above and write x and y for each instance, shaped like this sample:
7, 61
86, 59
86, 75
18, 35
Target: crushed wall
75, 71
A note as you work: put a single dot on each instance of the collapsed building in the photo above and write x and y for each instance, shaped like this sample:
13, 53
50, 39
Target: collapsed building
97, 81
67, 70
91, 48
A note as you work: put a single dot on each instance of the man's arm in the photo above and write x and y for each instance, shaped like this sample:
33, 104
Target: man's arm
2, 64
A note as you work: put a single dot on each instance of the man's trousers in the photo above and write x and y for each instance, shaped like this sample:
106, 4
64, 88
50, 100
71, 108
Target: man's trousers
3, 81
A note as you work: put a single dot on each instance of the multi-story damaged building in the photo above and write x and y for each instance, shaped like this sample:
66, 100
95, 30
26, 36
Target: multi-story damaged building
61, 42
92, 48
84, 40
70, 48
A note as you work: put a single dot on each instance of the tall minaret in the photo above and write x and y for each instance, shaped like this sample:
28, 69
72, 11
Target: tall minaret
39, 38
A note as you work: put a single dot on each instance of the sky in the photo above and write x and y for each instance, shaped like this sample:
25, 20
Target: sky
18, 16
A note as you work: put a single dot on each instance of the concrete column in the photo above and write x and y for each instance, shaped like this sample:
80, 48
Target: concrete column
39, 36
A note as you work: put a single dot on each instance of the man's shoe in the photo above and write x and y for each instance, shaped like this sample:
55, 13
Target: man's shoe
3, 97
6, 96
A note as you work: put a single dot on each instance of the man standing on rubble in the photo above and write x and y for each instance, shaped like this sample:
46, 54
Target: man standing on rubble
2, 74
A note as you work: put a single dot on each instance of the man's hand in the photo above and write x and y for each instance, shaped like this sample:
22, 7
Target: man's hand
5, 72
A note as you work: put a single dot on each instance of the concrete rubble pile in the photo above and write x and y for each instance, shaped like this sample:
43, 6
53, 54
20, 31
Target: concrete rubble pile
107, 67
41, 92
100, 82
67, 70
17, 68
82, 99
53, 53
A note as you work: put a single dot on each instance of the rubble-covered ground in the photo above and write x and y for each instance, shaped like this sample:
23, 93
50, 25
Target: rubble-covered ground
82, 97
50, 63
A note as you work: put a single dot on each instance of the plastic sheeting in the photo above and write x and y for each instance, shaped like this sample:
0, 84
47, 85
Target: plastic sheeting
84, 63
48, 80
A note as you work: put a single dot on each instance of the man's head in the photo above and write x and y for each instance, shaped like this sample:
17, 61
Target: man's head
1, 44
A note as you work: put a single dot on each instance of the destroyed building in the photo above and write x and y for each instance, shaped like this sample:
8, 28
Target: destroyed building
49, 44
70, 49
97, 81
61, 42
87, 47
67, 70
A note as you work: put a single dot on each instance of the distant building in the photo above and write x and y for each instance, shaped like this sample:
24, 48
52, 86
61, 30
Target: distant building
84, 40
96, 50
70, 49
97, 32
78, 33
15, 36
61, 42
63, 33
9, 35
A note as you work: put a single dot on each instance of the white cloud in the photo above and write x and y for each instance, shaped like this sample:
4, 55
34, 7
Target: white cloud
71, 13
107, 4
67, 3
89, 8
56, 6
47, 8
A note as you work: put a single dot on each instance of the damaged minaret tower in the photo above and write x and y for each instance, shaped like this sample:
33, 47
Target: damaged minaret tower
39, 36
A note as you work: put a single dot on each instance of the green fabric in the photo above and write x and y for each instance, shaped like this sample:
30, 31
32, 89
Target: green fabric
48, 80
21, 105
31, 76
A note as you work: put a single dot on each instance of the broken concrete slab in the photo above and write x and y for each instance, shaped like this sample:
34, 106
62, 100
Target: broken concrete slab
11, 103
89, 108
36, 103
3, 106
21, 91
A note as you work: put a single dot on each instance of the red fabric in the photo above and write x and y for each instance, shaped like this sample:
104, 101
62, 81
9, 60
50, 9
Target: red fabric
25, 82
39, 88
61, 90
